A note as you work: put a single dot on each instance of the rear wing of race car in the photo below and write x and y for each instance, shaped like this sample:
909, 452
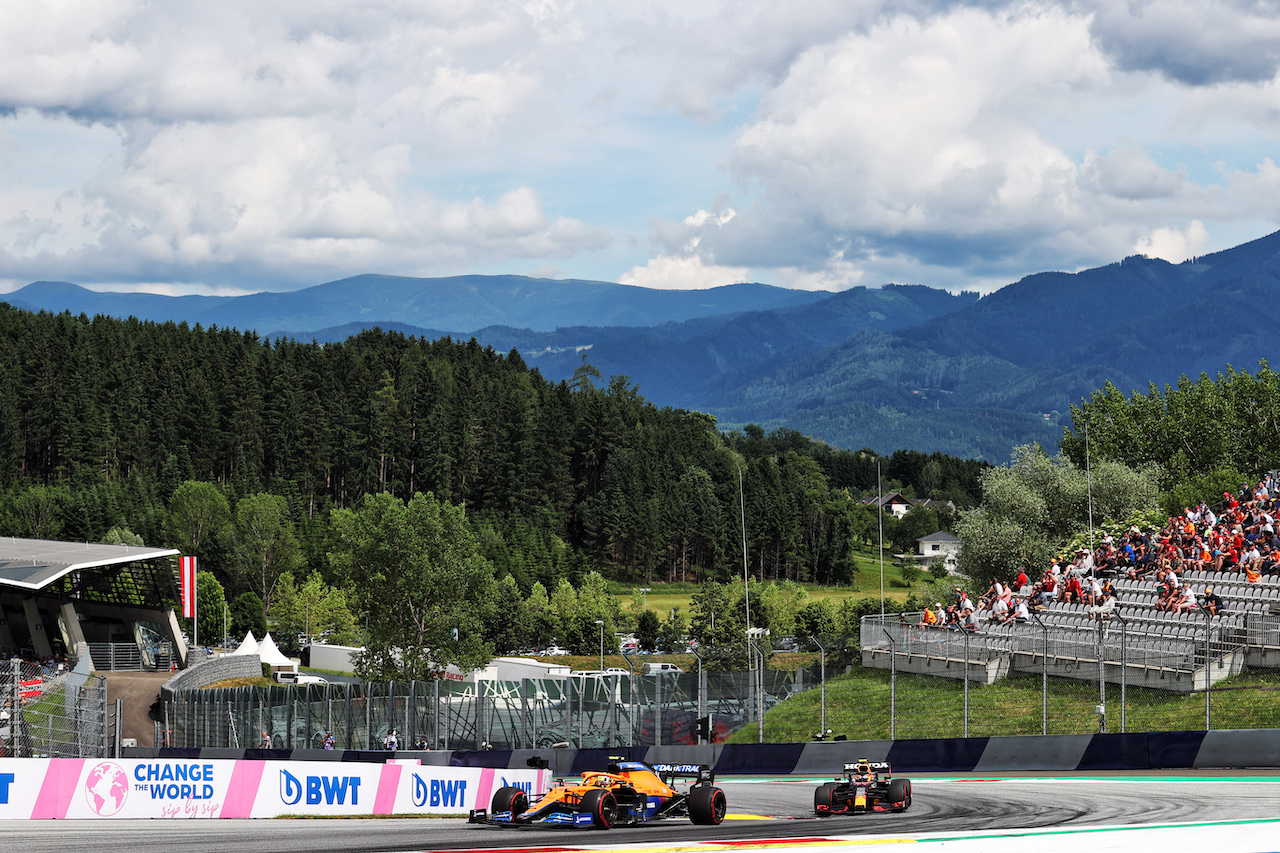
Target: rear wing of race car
875, 766
703, 773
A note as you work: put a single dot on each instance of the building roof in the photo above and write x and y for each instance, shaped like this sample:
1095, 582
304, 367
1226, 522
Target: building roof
888, 499
36, 563
940, 536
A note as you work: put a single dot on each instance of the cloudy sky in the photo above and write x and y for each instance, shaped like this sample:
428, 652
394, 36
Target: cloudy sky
250, 145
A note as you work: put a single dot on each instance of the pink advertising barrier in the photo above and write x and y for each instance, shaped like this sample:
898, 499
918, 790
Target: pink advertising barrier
70, 788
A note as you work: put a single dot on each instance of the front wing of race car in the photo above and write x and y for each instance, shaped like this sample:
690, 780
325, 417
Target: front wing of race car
851, 800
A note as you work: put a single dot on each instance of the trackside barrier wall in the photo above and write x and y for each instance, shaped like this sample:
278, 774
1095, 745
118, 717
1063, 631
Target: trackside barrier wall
1220, 748
190, 787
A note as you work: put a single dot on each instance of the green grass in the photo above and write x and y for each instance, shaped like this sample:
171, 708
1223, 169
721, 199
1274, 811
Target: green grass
858, 706
664, 596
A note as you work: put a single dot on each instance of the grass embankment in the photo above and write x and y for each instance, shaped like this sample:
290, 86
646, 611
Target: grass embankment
664, 596
858, 706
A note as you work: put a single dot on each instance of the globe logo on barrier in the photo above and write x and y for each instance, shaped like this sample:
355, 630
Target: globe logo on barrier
106, 788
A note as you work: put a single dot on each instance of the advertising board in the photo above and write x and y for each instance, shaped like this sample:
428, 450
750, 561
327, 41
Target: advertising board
55, 788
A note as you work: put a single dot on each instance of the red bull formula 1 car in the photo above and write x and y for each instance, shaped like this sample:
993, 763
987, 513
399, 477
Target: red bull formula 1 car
628, 792
867, 786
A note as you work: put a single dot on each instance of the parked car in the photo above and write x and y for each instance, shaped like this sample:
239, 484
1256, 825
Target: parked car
286, 677
659, 668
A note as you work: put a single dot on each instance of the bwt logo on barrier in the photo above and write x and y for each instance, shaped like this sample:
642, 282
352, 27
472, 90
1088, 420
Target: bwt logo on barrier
527, 787
319, 789
6, 779
439, 792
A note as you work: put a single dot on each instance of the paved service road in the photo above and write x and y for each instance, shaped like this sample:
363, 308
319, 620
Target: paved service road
939, 806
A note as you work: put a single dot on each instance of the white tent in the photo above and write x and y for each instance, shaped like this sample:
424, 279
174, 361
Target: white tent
272, 656
249, 646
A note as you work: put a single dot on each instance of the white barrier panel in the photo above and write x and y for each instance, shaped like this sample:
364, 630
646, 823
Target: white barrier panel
53, 788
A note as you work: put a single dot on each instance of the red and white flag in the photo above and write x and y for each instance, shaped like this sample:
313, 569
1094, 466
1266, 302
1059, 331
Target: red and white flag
187, 577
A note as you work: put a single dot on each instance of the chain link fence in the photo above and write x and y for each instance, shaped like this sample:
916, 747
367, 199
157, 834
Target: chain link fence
1062, 673
50, 713
582, 711
1059, 673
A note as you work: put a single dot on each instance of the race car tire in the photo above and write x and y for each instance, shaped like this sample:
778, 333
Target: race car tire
822, 798
707, 805
899, 792
509, 799
602, 806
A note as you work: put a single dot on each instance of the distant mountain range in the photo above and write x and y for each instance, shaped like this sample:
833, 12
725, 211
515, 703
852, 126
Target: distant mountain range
889, 368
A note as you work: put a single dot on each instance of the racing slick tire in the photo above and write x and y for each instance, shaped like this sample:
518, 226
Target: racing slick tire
822, 798
602, 806
899, 792
509, 799
707, 805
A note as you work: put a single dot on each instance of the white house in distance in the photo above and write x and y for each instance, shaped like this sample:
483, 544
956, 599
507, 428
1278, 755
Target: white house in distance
939, 545
899, 504
894, 503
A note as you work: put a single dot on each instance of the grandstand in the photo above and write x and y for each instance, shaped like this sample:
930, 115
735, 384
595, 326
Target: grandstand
1139, 645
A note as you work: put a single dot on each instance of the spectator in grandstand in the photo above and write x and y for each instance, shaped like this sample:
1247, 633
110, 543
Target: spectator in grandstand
999, 610
1211, 601
1072, 592
329, 742
1106, 561
1093, 592
1143, 563
1251, 558
928, 619
1020, 612
1183, 600
968, 622
1022, 584
1104, 606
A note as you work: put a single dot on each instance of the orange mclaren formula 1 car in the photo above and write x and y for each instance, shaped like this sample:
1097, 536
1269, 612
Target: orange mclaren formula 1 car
628, 792
867, 786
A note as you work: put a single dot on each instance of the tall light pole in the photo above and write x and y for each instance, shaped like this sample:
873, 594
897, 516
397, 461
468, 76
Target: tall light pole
880, 516
600, 622
644, 597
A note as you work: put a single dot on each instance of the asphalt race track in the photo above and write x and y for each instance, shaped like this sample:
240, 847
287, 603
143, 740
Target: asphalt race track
946, 806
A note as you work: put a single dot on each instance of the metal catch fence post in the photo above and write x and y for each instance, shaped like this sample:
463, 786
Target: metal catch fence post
822, 686
966, 683
1208, 671
1044, 676
893, 685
